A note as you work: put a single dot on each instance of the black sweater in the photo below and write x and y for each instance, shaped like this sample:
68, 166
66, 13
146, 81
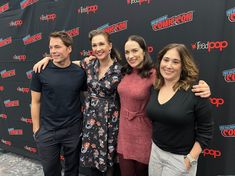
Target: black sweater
181, 121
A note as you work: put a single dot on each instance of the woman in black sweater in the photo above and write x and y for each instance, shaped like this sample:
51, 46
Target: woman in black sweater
182, 122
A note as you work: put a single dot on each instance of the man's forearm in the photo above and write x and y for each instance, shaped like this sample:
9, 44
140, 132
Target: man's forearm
35, 113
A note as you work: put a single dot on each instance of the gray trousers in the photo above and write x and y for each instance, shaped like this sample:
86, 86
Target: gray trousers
164, 163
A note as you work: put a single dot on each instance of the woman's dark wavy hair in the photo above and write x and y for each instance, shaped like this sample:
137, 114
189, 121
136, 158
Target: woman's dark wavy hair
114, 52
189, 74
148, 64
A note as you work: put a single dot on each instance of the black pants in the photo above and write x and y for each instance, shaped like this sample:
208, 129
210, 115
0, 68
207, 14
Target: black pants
132, 168
50, 143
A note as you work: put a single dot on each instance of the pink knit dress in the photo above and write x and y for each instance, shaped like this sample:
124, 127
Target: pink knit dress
135, 128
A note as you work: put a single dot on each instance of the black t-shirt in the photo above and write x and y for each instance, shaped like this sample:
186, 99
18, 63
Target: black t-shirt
60, 95
181, 121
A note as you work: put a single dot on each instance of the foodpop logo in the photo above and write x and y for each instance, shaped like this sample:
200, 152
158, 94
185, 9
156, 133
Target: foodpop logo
6, 41
6, 142
48, 17
217, 101
86, 53
16, 23
20, 57
15, 132
14, 103
23, 89
4, 8
227, 130
7, 74
26, 3
229, 75
30, 149
120, 26
165, 22
26, 120
150, 49
231, 14
220, 45
31, 39
140, 2
211, 152
3, 116
88, 9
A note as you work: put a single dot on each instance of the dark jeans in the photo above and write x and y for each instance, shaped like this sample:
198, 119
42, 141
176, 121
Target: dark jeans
50, 143
132, 167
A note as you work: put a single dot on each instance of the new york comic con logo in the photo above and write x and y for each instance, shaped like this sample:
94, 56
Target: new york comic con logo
31, 39
14, 132
4, 8
117, 27
229, 75
7, 74
210, 45
29, 74
88, 9
227, 130
73, 32
26, 3
6, 41
140, 2
14, 103
165, 22
231, 14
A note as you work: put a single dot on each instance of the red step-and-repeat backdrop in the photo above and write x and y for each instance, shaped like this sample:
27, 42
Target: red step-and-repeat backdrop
206, 27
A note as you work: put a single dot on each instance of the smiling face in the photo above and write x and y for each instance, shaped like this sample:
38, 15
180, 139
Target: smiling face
170, 65
134, 54
100, 46
59, 51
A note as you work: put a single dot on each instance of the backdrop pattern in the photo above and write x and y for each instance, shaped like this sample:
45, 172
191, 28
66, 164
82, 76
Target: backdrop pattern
207, 27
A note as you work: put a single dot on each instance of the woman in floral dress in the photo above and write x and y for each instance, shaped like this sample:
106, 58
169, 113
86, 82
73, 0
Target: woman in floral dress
101, 111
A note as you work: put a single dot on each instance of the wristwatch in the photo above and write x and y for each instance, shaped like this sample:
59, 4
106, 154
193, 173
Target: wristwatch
191, 159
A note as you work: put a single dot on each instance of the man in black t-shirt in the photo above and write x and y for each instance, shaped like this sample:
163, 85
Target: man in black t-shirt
56, 108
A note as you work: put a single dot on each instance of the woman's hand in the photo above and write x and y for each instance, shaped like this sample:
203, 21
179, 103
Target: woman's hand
187, 163
202, 89
78, 63
41, 65
87, 60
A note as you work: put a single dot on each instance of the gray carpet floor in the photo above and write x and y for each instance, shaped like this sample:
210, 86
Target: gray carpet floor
15, 165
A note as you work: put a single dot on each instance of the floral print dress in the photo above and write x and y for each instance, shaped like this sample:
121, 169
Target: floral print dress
101, 117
